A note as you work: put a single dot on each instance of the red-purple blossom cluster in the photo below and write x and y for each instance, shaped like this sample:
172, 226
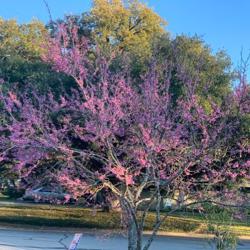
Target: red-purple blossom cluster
112, 134
136, 132
68, 53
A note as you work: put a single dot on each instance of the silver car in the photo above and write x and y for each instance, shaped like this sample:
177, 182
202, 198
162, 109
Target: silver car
45, 194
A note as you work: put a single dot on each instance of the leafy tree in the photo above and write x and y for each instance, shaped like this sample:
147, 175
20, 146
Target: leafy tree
134, 29
192, 57
25, 40
84, 22
127, 26
21, 48
119, 27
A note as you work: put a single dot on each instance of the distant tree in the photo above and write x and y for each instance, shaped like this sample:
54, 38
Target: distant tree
20, 50
119, 27
131, 28
192, 57
21, 47
126, 25
110, 135
25, 39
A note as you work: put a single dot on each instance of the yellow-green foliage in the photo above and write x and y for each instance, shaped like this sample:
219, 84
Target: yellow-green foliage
130, 26
25, 39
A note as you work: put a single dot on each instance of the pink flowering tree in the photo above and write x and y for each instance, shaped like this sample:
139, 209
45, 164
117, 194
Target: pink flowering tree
128, 140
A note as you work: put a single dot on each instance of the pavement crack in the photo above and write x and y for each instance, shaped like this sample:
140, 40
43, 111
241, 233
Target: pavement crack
65, 236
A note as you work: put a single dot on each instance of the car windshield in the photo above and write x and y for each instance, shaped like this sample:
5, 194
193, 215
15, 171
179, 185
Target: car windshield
48, 189
45, 190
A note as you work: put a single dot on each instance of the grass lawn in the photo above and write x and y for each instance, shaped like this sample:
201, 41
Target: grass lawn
68, 216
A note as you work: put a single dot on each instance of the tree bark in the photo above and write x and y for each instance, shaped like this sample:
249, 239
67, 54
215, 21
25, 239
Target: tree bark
134, 236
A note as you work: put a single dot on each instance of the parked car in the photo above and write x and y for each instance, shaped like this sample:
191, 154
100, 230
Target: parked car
46, 194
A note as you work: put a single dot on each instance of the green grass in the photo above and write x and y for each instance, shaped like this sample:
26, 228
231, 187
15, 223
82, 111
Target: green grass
75, 217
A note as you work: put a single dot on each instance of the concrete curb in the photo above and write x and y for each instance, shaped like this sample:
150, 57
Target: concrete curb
107, 232
191, 235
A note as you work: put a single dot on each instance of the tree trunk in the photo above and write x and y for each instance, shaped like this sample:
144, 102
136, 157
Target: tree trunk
134, 237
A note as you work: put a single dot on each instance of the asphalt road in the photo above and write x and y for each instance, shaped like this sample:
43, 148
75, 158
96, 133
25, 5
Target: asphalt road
35, 240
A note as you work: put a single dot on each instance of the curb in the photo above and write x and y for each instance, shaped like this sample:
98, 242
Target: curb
108, 232
190, 235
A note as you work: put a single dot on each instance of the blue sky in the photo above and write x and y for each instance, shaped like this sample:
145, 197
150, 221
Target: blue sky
223, 24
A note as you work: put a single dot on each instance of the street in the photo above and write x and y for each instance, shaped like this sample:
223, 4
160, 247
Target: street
34, 240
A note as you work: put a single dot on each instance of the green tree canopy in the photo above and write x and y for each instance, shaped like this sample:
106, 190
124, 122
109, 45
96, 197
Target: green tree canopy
212, 72
24, 40
128, 26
